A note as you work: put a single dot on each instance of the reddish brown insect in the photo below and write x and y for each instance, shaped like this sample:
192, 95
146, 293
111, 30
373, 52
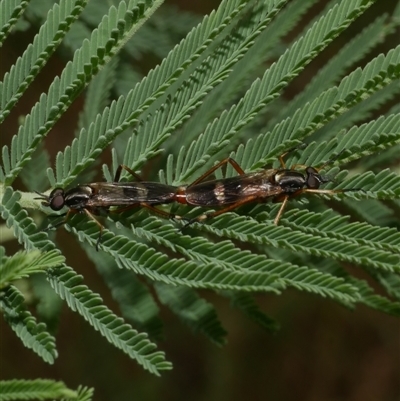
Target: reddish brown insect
277, 184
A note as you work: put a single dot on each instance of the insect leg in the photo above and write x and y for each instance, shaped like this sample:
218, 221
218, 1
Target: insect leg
319, 191
151, 208
329, 191
229, 160
100, 226
283, 164
161, 212
285, 198
281, 209
125, 208
308, 190
130, 171
211, 215
54, 216
60, 223
330, 161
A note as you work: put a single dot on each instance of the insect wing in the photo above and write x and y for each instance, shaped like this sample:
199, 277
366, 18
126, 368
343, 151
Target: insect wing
231, 190
154, 192
128, 193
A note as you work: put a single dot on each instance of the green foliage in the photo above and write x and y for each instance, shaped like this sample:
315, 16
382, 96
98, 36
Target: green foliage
31, 333
105, 41
197, 313
246, 303
221, 130
23, 264
259, 53
124, 112
10, 11
144, 260
51, 33
38, 389
219, 90
84, 394
334, 69
23, 226
133, 297
80, 298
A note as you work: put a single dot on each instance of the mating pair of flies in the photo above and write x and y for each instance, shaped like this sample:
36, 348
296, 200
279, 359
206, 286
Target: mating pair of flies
228, 193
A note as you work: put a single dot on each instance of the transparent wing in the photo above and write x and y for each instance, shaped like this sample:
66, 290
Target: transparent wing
127, 193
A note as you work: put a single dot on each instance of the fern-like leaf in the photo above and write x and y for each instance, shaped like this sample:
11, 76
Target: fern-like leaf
23, 226
98, 94
160, 267
10, 11
351, 53
390, 281
375, 301
371, 211
226, 92
32, 174
335, 226
251, 231
32, 334
211, 72
245, 302
48, 304
361, 111
125, 112
353, 89
79, 298
196, 312
384, 185
83, 394
51, 33
144, 260
206, 73
367, 294
168, 25
134, 298
105, 42
38, 389
23, 264
220, 131
231, 258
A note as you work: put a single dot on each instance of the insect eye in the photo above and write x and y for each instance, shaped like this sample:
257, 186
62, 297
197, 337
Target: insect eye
56, 199
313, 178
312, 182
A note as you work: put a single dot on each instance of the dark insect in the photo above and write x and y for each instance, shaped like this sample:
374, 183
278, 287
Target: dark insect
98, 197
277, 184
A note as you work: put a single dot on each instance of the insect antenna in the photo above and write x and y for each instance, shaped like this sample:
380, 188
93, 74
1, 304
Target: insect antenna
332, 179
55, 225
43, 198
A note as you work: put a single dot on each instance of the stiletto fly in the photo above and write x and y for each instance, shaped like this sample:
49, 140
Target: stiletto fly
277, 184
229, 193
98, 197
